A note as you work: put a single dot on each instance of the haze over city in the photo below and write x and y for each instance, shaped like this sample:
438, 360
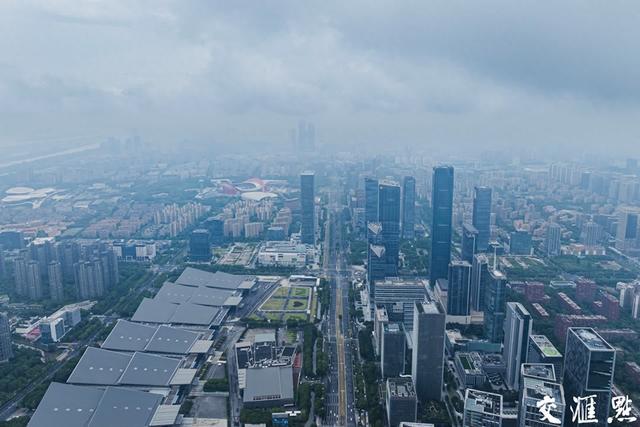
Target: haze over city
460, 75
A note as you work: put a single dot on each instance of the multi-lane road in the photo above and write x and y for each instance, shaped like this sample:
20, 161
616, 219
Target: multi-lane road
340, 408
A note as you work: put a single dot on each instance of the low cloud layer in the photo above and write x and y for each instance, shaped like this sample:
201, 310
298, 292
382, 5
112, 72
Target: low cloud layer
490, 74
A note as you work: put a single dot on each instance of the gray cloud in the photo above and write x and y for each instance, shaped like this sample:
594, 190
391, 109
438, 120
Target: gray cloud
491, 73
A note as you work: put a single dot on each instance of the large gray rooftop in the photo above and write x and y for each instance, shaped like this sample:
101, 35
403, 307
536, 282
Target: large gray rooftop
195, 277
131, 336
271, 383
180, 294
157, 311
105, 367
66, 405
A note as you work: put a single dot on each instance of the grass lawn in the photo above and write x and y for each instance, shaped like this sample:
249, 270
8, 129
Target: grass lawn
300, 292
273, 304
296, 316
297, 304
281, 292
273, 316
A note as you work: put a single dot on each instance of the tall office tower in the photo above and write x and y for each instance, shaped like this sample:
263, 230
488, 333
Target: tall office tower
215, 225
458, 295
517, 329
307, 208
370, 200
374, 233
554, 232
402, 404
591, 233
627, 231
541, 350
110, 271
376, 267
34, 280
392, 350
56, 291
408, 207
442, 205
469, 242
389, 215
69, 254
3, 268
199, 247
482, 409
479, 280
589, 362
427, 363
6, 352
398, 297
540, 380
520, 242
482, 216
495, 306
20, 275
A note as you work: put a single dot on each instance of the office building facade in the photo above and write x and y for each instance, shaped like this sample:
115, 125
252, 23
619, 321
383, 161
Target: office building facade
402, 404
482, 409
482, 216
458, 294
389, 217
442, 209
427, 364
6, 351
517, 330
469, 242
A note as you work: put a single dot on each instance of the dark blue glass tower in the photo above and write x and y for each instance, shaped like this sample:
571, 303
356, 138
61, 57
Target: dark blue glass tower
370, 200
482, 216
389, 215
307, 208
408, 207
442, 205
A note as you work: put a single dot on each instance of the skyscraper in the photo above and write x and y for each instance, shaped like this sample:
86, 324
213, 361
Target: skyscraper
627, 231
442, 205
517, 329
6, 352
376, 267
538, 381
589, 363
408, 207
458, 295
482, 216
392, 350
495, 305
199, 246
479, 281
34, 280
370, 200
482, 409
56, 291
20, 275
389, 216
402, 404
307, 207
554, 232
469, 242
427, 363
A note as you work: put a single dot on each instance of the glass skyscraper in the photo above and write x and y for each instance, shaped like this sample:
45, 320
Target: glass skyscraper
389, 216
442, 205
408, 207
370, 200
307, 207
482, 216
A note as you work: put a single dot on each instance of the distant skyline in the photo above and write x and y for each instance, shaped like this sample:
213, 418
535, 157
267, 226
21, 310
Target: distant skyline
451, 76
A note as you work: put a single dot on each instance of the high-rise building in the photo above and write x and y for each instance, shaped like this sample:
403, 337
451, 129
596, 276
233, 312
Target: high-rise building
56, 290
392, 350
459, 291
6, 352
34, 280
482, 409
482, 216
376, 267
469, 242
479, 280
110, 270
495, 306
427, 362
538, 382
389, 216
402, 404
588, 370
591, 233
520, 242
3, 268
20, 275
517, 329
398, 296
541, 350
408, 207
307, 208
442, 206
554, 232
199, 246
627, 231
89, 279
370, 200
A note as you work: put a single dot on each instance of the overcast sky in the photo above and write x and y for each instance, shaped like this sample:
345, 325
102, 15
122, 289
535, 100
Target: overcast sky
495, 74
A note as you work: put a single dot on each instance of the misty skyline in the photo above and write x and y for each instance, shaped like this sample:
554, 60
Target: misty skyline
424, 74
